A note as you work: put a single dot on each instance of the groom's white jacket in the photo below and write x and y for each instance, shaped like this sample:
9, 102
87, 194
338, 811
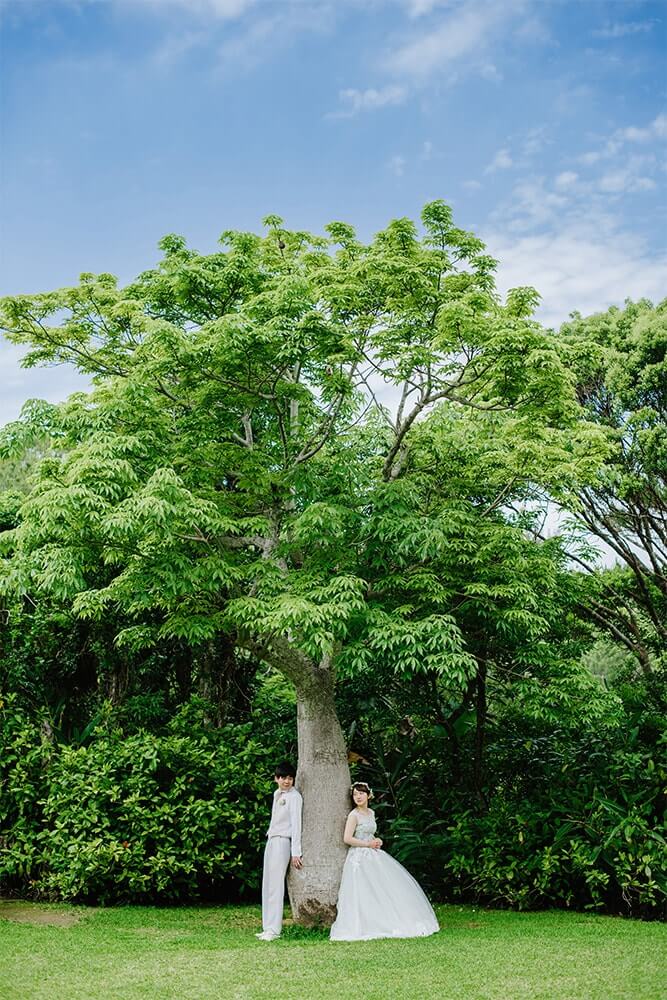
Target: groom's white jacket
286, 818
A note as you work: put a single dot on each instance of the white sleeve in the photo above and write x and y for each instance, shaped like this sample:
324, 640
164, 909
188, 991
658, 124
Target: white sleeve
295, 806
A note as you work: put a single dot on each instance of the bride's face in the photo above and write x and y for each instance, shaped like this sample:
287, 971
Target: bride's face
360, 797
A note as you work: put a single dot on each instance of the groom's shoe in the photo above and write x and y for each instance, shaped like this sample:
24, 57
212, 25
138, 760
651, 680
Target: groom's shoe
267, 936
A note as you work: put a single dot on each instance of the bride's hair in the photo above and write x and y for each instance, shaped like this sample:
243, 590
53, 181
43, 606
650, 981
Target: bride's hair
363, 787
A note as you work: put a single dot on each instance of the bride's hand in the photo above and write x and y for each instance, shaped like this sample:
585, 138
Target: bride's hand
376, 843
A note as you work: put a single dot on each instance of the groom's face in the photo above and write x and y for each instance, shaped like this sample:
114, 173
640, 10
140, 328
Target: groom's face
284, 784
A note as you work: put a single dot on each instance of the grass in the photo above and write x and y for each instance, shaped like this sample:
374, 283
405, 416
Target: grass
74, 953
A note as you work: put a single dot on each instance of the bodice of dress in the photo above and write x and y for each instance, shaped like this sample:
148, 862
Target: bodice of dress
366, 826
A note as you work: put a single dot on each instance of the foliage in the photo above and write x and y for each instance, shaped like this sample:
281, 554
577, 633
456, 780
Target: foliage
131, 818
231, 513
620, 362
582, 826
233, 471
572, 811
24, 758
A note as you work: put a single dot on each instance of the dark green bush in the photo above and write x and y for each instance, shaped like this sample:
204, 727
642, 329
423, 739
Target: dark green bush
570, 816
601, 857
25, 753
134, 818
567, 817
567, 822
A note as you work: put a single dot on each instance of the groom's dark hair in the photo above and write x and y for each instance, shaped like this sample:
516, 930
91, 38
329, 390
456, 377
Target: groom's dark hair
284, 770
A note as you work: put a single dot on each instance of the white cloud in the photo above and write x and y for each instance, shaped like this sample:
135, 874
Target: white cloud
535, 141
588, 159
654, 131
659, 126
628, 176
491, 72
578, 267
245, 50
177, 45
278, 25
240, 31
624, 181
537, 202
472, 185
533, 31
223, 10
397, 165
427, 150
566, 179
610, 149
371, 99
620, 30
463, 33
570, 100
531, 205
633, 134
417, 8
657, 129
501, 161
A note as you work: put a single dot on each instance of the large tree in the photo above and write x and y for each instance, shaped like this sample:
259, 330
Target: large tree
620, 360
252, 450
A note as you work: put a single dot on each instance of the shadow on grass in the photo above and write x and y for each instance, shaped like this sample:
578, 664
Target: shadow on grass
294, 932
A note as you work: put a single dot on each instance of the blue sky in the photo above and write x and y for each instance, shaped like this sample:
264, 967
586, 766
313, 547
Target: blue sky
544, 124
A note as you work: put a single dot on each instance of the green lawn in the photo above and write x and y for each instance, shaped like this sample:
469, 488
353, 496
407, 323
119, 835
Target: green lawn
211, 952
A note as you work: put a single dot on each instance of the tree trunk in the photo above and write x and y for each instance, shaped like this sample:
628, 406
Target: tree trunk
323, 778
480, 732
216, 666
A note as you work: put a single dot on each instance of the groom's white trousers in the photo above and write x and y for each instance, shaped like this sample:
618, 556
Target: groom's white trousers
277, 854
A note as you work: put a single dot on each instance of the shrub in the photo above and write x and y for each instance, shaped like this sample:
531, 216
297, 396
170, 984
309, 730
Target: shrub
134, 818
24, 758
569, 817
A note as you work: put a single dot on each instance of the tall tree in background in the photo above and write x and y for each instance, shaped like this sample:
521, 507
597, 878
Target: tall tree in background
234, 471
620, 360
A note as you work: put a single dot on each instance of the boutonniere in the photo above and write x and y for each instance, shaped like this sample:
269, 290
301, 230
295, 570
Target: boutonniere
282, 801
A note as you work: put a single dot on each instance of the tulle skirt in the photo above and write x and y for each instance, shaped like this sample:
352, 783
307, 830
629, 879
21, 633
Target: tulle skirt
378, 898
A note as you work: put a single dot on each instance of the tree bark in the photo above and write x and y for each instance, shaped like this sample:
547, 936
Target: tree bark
216, 667
323, 778
480, 732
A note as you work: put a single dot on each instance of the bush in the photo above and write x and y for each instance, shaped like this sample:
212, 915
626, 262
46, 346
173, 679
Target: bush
140, 818
568, 822
24, 758
568, 817
603, 858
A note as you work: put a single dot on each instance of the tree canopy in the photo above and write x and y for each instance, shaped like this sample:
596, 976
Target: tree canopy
234, 462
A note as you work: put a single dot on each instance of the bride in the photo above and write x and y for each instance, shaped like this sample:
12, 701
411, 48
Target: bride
378, 898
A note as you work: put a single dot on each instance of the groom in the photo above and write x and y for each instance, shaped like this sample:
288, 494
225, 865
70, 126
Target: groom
283, 842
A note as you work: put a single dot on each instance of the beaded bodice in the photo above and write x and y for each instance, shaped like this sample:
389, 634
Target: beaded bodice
366, 826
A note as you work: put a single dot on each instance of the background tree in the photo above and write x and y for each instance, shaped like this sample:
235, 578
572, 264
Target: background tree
619, 357
234, 477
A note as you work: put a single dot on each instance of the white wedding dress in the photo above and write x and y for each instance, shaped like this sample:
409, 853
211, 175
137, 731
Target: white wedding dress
378, 898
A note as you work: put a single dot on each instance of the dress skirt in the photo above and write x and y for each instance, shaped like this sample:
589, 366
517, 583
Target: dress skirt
378, 898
